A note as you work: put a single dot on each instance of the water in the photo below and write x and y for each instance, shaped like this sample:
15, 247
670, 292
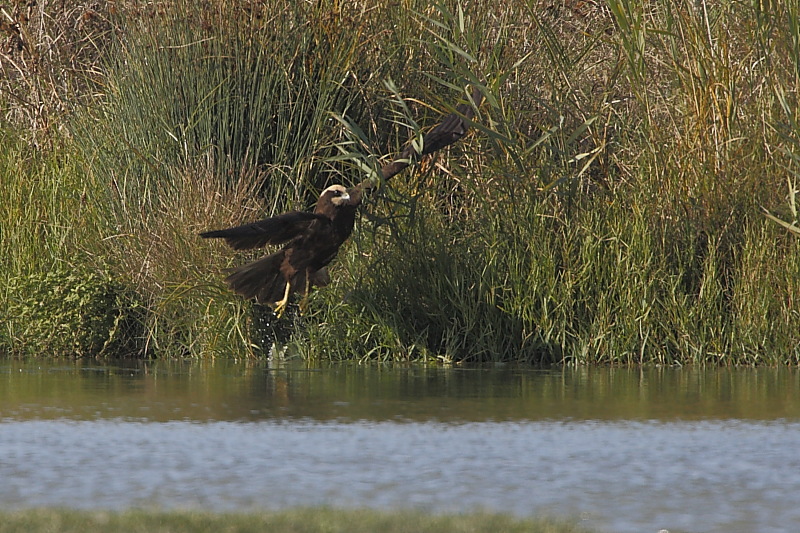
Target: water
618, 450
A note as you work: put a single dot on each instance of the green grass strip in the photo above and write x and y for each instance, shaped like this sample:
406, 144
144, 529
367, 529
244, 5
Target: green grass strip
298, 520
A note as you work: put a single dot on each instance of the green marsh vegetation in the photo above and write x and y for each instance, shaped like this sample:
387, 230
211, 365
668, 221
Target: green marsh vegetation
607, 207
298, 520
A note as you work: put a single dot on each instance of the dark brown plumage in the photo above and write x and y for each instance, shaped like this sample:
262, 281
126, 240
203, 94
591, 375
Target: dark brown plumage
449, 130
312, 239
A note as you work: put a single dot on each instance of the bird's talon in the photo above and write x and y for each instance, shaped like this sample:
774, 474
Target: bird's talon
280, 306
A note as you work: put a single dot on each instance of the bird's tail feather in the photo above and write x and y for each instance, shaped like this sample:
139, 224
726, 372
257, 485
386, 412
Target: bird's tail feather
260, 279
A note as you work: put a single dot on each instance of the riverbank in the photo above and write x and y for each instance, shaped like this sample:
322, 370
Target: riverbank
292, 521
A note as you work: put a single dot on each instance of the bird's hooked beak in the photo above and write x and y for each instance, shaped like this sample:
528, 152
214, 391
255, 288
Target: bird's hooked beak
340, 200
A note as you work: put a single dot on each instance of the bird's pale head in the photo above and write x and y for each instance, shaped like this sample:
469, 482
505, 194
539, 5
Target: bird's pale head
337, 195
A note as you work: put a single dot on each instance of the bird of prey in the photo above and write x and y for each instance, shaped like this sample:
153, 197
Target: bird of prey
312, 239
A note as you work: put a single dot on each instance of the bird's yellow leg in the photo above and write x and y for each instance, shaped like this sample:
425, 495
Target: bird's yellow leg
280, 307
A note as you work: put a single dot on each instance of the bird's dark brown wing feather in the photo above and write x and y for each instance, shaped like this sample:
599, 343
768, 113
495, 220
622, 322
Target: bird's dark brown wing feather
449, 130
275, 230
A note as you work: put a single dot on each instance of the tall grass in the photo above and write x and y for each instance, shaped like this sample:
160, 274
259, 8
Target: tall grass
208, 123
630, 231
52, 302
607, 208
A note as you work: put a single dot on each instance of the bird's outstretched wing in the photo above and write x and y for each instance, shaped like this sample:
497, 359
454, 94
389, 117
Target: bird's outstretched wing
275, 230
449, 130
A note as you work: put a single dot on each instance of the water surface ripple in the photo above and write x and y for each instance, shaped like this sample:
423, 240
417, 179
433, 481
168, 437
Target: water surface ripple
680, 472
